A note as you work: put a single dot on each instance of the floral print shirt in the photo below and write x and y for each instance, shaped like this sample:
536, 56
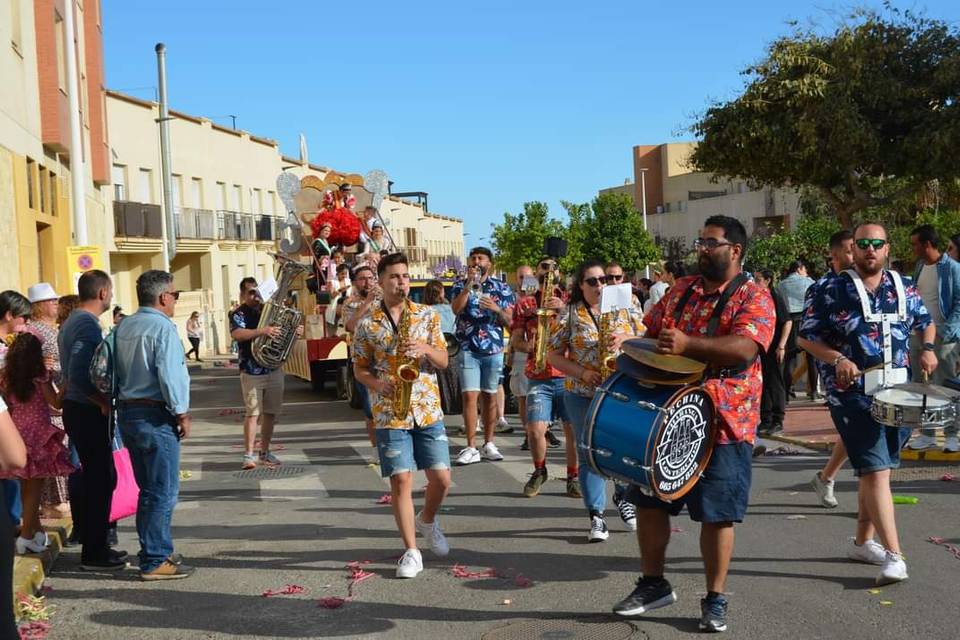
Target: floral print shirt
834, 316
479, 330
576, 333
375, 347
749, 313
525, 321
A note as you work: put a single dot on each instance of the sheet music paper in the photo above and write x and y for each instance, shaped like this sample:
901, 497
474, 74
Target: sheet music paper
267, 288
614, 297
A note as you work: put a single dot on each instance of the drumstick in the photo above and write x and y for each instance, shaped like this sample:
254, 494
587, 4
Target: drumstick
923, 407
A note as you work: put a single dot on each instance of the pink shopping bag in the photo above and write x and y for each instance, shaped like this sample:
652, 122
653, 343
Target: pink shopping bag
127, 492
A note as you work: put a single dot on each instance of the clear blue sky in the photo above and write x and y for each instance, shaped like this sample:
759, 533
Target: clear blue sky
483, 104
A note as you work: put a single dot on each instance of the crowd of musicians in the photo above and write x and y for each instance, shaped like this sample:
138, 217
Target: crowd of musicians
861, 326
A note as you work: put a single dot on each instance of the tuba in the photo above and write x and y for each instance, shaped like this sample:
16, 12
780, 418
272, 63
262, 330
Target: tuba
272, 352
407, 370
608, 360
544, 319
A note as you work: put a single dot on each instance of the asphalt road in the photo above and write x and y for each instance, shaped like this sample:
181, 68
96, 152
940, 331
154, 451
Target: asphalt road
302, 527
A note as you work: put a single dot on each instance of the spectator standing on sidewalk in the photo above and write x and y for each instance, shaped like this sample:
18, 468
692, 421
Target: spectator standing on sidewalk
194, 335
937, 277
483, 305
262, 387
773, 401
86, 414
153, 395
793, 288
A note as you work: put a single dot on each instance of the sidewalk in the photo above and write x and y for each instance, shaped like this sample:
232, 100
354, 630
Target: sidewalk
29, 571
808, 424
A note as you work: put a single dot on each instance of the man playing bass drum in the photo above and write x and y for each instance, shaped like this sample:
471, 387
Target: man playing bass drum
721, 318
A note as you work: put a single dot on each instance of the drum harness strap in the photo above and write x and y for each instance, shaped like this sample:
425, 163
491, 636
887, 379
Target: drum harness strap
884, 319
725, 295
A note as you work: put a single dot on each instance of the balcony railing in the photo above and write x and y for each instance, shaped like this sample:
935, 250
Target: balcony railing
141, 220
137, 219
200, 224
234, 225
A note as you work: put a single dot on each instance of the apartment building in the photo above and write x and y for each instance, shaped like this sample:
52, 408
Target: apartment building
36, 155
680, 199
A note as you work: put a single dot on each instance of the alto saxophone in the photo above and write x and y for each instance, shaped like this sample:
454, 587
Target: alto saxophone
407, 370
544, 320
272, 352
608, 359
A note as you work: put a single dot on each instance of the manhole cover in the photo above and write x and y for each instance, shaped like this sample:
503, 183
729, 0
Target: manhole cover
562, 630
282, 471
925, 472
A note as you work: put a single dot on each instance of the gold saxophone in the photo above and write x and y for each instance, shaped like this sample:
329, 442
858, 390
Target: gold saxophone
407, 370
544, 319
608, 359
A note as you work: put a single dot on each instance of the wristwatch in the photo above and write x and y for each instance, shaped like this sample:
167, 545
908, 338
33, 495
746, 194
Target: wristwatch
929, 346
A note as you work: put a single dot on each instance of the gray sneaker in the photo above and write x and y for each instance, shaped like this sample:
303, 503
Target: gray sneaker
824, 489
249, 461
267, 457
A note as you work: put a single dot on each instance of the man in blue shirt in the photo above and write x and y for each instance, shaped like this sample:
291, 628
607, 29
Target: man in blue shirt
262, 387
793, 288
859, 320
153, 394
483, 305
85, 418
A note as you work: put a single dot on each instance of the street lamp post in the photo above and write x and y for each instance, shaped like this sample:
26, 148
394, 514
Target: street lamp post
643, 204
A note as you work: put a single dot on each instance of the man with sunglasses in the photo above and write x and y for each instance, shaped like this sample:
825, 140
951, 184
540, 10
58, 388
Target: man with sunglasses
726, 320
153, 397
262, 387
856, 321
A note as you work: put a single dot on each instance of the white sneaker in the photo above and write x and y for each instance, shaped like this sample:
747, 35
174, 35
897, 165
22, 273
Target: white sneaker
921, 442
503, 426
870, 552
37, 544
410, 564
433, 535
467, 455
894, 569
490, 452
951, 444
598, 529
824, 489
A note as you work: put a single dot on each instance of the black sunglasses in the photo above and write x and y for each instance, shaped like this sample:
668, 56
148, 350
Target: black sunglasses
547, 265
175, 294
595, 280
876, 243
615, 276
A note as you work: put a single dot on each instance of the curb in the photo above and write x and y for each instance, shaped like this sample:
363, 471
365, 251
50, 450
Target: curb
930, 455
30, 570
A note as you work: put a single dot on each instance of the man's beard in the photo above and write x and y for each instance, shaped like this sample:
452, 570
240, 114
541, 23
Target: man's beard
713, 268
867, 269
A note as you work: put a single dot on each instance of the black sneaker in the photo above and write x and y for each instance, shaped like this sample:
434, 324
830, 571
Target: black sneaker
648, 595
598, 529
117, 554
537, 478
713, 614
552, 441
524, 446
112, 539
111, 563
628, 512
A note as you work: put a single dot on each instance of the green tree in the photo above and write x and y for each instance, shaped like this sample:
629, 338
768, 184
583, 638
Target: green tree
611, 229
519, 238
867, 115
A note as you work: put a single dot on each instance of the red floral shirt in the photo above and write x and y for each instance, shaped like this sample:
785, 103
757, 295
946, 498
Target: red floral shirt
525, 321
750, 313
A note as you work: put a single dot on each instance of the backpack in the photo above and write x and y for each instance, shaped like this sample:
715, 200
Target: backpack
102, 372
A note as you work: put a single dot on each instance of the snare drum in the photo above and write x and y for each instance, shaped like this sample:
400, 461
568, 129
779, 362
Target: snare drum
657, 437
898, 407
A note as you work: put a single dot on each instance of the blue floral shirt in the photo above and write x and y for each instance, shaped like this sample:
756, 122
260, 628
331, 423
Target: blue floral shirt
833, 315
479, 330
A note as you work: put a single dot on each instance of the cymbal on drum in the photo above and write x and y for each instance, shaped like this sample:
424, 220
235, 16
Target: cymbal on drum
929, 390
644, 350
649, 375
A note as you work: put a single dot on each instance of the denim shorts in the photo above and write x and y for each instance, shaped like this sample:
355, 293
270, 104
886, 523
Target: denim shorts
721, 495
405, 450
545, 401
480, 372
870, 445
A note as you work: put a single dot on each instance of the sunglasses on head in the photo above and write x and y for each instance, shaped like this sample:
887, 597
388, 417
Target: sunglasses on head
876, 243
595, 280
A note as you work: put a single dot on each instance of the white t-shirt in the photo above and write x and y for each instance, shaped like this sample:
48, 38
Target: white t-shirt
657, 291
928, 284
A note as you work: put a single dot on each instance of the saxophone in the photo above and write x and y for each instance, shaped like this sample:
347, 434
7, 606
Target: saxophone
544, 319
608, 360
272, 352
407, 370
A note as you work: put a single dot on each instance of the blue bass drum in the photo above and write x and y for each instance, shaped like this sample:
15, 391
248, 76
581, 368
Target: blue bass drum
655, 436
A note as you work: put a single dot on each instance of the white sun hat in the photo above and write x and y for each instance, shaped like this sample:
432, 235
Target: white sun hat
40, 292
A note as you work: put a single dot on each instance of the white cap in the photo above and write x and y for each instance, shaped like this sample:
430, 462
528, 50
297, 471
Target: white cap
40, 292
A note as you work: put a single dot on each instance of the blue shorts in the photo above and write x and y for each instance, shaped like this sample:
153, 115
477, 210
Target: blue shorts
364, 396
723, 493
870, 445
545, 401
480, 372
405, 450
